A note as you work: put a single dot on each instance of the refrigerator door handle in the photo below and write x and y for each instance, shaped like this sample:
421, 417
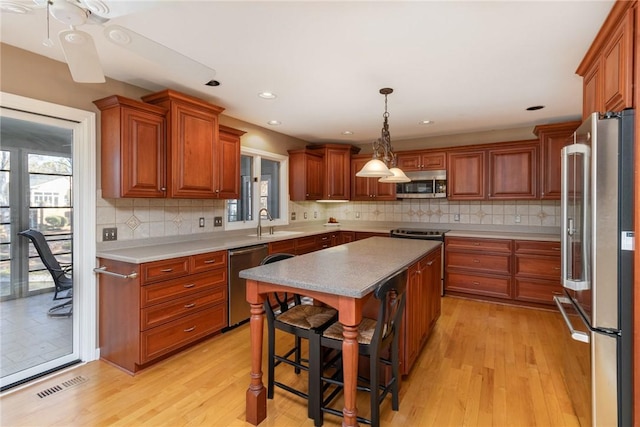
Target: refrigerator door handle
575, 334
569, 231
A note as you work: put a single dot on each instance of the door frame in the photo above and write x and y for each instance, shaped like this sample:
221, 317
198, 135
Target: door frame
84, 213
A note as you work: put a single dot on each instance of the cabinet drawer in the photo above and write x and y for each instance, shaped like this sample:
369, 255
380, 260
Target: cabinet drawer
171, 289
162, 313
532, 290
492, 245
482, 285
537, 247
165, 269
488, 263
305, 245
545, 267
171, 336
208, 261
283, 246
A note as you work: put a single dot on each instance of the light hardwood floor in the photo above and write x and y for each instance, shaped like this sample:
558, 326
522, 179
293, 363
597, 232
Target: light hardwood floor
484, 365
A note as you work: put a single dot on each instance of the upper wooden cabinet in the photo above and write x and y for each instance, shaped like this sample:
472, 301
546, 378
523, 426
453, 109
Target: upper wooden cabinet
229, 171
305, 175
334, 177
513, 172
552, 138
422, 160
607, 68
193, 145
505, 171
133, 148
368, 188
465, 175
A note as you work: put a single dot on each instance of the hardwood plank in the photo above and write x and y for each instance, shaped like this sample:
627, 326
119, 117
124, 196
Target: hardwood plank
484, 364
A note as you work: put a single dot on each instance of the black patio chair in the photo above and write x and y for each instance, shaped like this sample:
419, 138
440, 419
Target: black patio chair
63, 282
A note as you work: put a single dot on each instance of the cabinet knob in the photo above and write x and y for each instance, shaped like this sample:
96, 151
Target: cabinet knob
163, 189
475, 283
217, 191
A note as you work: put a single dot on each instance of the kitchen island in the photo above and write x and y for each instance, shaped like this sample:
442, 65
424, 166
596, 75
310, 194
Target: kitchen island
343, 277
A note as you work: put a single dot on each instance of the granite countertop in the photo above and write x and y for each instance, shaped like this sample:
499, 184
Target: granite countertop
156, 249
353, 269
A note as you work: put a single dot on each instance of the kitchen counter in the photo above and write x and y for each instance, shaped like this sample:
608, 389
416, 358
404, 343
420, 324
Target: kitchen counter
353, 269
155, 249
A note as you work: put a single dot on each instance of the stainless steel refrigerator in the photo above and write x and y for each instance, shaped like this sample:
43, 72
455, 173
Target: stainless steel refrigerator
597, 239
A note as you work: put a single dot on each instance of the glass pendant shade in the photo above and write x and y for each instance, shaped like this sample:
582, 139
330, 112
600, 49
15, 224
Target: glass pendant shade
374, 168
397, 177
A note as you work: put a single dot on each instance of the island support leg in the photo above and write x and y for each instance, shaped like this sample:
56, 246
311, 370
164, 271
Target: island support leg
350, 372
257, 393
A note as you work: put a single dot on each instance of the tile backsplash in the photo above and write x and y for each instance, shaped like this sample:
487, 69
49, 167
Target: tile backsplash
146, 218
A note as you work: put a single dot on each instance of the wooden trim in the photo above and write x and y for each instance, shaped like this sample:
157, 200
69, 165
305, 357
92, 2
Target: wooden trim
636, 280
227, 129
616, 14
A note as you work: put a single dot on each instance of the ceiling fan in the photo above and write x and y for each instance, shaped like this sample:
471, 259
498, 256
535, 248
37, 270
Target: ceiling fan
80, 50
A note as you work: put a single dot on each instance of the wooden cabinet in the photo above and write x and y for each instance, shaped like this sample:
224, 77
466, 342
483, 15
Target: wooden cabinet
506, 171
169, 305
229, 171
553, 138
422, 160
133, 148
422, 307
346, 237
304, 245
466, 175
519, 271
537, 271
368, 189
359, 235
321, 172
305, 175
513, 172
193, 145
607, 68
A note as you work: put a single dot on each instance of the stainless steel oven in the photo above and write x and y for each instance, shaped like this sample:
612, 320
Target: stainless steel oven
424, 234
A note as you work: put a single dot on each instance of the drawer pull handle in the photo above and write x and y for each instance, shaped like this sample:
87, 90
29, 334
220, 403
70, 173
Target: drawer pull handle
190, 285
210, 261
475, 283
555, 248
167, 270
190, 329
476, 243
189, 305
556, 268
476, 260
430, 263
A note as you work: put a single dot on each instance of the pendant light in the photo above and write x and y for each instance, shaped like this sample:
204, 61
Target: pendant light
383, 163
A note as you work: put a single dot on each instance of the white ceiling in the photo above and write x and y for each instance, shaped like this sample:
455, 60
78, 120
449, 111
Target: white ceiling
466, 65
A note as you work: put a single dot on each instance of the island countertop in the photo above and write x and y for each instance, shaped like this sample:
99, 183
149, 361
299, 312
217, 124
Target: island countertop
353, 269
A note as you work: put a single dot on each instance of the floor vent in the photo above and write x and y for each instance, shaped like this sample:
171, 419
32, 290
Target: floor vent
61, 387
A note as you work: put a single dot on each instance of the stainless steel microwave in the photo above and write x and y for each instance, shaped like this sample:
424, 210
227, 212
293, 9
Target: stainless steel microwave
423, 185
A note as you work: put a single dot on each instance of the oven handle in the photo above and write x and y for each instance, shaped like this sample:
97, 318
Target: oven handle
576, 335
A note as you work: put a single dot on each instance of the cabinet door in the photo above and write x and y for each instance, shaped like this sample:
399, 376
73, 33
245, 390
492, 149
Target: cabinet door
143, 156
466, 175
360, 187
409, 162
552, 139
412, 312
194, 153
314, 177
617, 66
383, 190
513, 173
434, 161
591, 91
229, 167
337, 174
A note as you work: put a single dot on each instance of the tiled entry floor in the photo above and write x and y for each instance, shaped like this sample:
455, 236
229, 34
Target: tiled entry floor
28, 337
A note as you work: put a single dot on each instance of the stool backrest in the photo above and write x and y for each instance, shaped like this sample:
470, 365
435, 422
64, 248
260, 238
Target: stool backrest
281, 299
391, 296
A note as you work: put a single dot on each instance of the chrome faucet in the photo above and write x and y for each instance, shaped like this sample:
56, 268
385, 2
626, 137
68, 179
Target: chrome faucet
259, 229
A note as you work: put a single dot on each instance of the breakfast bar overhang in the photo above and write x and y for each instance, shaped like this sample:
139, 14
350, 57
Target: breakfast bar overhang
343, 277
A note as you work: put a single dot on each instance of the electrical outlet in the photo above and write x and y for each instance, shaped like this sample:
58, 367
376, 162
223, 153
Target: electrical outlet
109, 234
201, 222
517, 219
315, 214
357, 215
217, 221
293, 216
305, 215
456, 217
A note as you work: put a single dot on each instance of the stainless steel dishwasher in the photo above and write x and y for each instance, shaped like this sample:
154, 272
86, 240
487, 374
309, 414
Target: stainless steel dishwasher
241, 259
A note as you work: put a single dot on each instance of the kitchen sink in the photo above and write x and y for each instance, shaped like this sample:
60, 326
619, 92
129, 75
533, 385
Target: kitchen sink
277, 233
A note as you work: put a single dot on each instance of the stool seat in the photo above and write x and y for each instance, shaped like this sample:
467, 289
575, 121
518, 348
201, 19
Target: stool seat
365, 331
307, 316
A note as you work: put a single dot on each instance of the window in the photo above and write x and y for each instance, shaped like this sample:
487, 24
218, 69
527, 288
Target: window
263, 184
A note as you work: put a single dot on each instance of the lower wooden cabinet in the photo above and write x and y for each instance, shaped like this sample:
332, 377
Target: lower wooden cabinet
169, 305
519, 271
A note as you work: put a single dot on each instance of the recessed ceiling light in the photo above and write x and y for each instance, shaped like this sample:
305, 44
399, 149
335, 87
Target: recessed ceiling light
535, 107
426, 122
347, 132
212, 83
274, 122
267, 95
